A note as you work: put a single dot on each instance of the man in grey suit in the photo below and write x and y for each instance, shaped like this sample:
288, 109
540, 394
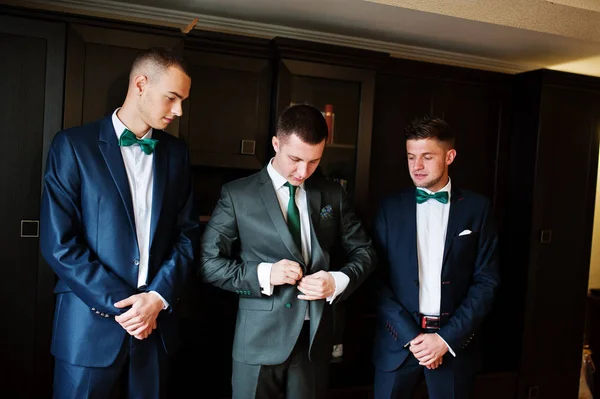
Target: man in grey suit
271, 239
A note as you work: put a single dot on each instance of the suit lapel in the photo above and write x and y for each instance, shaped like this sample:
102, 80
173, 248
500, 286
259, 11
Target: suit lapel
110, 150
456, 209
271, 202
409, 211
161, 164
313, 196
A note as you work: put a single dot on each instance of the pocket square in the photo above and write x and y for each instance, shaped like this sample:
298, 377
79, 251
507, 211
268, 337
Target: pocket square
465, 232
327, 212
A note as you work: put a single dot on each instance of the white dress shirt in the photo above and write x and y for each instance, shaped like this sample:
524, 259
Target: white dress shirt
140, 174
283, 196
432, 224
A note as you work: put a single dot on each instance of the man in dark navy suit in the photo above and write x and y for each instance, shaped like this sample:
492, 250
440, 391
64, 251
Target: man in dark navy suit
117, 227
438, 274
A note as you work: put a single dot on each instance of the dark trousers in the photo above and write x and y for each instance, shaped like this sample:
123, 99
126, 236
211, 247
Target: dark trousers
139, 372
296, 378
449, 381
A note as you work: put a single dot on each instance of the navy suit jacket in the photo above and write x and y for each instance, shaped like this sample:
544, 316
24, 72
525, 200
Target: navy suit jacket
469, 276
87, 235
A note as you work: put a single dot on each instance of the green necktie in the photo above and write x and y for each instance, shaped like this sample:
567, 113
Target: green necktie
293, 216
441, 196
128, 138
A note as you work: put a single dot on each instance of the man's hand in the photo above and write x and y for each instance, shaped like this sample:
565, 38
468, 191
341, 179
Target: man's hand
435, 364
285, 272
428, 349
317, 286
140, 320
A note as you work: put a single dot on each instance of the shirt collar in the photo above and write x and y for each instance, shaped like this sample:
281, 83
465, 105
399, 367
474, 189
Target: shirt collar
120, 126
447, 187
276, 178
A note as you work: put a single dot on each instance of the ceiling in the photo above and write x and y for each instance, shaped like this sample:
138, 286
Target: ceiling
500, 35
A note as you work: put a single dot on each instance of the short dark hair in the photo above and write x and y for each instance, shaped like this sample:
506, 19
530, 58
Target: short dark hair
157, 59
303, 120
428, 127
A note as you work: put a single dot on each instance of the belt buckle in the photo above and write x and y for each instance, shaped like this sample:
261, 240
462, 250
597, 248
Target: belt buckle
430, 322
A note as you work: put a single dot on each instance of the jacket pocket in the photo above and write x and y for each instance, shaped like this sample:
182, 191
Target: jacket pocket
256, 303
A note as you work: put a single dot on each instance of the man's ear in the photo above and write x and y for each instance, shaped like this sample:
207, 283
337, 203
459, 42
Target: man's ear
275, 142
140, 83
450, 155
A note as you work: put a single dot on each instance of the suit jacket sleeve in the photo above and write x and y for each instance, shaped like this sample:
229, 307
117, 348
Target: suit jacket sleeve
178, 266
478, 301
388, 306
360, 254
61, 234
219, 263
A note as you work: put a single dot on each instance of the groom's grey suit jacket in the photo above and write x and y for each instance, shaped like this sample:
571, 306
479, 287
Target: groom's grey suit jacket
247, 227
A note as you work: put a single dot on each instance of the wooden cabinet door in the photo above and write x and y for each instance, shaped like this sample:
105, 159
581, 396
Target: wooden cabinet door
398, 101
98, 63
226, 119
474, 112
31, 87
351, 92
563, 195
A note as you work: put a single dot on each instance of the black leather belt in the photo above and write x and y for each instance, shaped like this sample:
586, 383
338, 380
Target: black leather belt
430, 322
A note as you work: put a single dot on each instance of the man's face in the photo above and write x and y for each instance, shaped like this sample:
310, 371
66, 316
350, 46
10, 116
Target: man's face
296, 160
161, 97
428, 161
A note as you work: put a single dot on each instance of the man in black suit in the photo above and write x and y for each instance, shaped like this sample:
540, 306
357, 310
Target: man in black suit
438, 274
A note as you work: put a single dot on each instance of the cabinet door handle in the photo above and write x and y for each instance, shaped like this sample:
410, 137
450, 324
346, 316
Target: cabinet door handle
248, 147
30, 228
546, 236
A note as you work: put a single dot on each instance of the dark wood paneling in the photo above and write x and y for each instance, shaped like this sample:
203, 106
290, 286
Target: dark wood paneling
445, 73
223, 43
398, 101
31, 81
562, 138
229, 102
298, 81
98, 65
473, 112
286, 48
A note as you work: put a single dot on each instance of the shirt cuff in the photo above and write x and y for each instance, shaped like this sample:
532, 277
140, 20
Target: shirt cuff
449, 348
264, 278
341, 282
165, 303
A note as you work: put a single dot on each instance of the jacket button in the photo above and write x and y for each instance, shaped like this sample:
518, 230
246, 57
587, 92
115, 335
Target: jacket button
416, 314
288, 305
417, 283
136, 262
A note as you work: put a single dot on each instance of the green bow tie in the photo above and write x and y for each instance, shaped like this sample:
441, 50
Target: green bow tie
128, 138
441, 196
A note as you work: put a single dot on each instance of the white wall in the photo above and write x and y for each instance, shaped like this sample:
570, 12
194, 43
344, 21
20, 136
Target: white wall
594, 281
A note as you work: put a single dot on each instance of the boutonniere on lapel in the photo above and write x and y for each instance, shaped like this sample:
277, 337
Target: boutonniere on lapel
327, 213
